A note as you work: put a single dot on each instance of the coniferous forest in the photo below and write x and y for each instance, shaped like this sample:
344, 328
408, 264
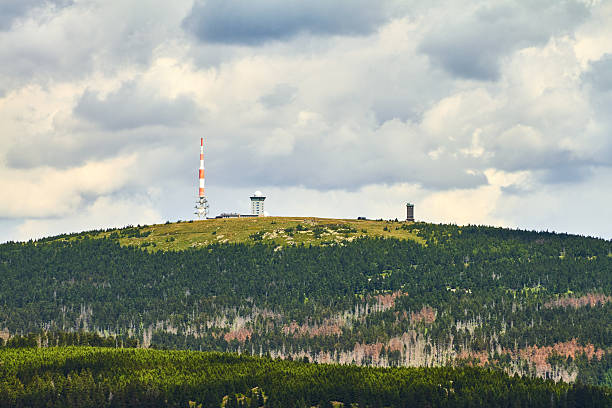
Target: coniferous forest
469, 299
97, 377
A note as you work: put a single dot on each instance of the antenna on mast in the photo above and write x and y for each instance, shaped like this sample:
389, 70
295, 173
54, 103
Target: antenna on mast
201, 207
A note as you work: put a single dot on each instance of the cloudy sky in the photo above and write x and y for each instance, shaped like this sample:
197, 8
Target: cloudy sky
480, 112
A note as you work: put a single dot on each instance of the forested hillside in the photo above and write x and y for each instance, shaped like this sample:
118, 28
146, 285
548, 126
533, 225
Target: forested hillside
387, 294
95, 377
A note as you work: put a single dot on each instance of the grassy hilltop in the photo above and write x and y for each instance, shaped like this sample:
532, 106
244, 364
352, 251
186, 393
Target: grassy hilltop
280, 231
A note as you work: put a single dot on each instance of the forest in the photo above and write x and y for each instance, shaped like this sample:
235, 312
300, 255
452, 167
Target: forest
116, 377
526, 302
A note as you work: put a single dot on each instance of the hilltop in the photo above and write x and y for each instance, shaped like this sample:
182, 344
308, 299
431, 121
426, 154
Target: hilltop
278, 231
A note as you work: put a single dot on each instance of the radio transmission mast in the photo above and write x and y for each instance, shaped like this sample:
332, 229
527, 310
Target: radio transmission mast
201, 207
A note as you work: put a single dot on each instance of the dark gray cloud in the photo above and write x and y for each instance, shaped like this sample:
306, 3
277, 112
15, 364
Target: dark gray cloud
53, 42
352, 172
471, 45
255, 22
10, 10
132, 106
281, 95
598, 83
327, 162
122, 122
86, 144
524, 156
574, 173
516, 190
599, 74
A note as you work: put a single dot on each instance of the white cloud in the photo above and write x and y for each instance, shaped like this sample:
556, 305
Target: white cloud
105, 212
579, 208
42, 192
90, 36
593, 39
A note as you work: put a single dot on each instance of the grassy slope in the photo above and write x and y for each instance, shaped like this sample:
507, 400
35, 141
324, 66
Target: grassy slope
273, 230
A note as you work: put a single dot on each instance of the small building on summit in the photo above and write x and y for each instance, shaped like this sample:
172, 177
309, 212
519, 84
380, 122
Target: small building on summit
257, 204
410, 212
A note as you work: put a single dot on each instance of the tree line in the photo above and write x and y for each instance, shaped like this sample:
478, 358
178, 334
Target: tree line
105, 377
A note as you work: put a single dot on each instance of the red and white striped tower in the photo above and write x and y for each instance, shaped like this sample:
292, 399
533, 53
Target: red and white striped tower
201, 167
202, 204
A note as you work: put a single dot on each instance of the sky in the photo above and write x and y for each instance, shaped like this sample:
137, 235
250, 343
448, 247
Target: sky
478, 112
